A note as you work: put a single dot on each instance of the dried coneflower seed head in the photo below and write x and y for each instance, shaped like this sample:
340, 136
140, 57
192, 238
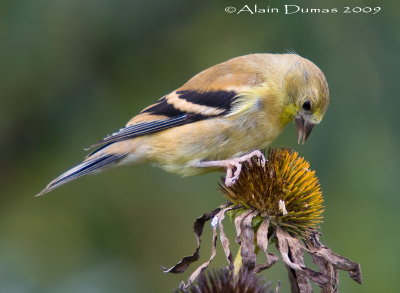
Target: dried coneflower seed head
279, 201
224, 281
285, 190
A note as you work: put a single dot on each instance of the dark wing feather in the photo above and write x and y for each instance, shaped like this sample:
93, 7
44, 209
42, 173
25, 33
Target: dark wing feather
162, 107
175, 114
215, 99
82, 169
140, 129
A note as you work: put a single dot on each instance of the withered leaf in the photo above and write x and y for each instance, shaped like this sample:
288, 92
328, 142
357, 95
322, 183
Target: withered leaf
328, 270
201, 268
182, 266
224, 240
283, 248
262, 243
261, 267
338, 262
292, 254
249, 257
238, 223
296, 248
341, 263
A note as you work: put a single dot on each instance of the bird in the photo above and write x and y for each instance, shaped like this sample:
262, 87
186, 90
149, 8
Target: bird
220, 118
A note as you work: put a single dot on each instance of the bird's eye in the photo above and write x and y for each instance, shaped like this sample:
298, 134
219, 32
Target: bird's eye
307, 106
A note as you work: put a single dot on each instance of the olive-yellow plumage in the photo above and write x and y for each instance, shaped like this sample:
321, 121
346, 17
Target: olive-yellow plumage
222, 113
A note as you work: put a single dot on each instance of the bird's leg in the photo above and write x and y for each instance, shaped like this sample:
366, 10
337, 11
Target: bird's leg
233, 166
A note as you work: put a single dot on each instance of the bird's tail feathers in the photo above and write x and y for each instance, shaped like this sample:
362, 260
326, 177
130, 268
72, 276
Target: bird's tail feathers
86, 167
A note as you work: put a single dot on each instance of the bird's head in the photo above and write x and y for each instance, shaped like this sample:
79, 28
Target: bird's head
307, 97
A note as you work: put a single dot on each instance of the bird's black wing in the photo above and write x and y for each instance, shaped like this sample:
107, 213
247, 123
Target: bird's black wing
176, 109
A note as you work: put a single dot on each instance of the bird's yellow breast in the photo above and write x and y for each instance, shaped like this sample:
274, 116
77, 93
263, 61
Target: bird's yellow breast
179, 148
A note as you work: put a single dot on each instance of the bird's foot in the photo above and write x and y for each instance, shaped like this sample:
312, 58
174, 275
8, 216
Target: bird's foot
233, 166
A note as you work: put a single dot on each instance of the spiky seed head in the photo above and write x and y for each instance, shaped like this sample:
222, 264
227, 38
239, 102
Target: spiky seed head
285, 190
222, 280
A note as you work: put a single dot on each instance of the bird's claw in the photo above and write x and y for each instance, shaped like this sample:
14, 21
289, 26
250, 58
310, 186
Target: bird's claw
234, 166
260, 156
232, 175
249, 158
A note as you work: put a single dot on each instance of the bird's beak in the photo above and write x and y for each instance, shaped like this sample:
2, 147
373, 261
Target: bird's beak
304, 128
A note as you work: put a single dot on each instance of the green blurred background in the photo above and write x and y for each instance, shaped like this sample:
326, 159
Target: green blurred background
72, 71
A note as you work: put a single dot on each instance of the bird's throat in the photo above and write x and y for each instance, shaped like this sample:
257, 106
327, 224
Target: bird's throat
288, 114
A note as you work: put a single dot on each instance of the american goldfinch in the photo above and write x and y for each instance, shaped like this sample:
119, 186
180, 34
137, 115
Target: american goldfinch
219, 118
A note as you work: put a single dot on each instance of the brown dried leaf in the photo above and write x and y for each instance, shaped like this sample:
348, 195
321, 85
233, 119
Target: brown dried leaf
296, 250
262, 243
292, 255
249, 257
341, 263
238, 223
262, 236
201, 268
272, 258
224, 240
328, 270
182, 266
293, 279
283, 248
338, 262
